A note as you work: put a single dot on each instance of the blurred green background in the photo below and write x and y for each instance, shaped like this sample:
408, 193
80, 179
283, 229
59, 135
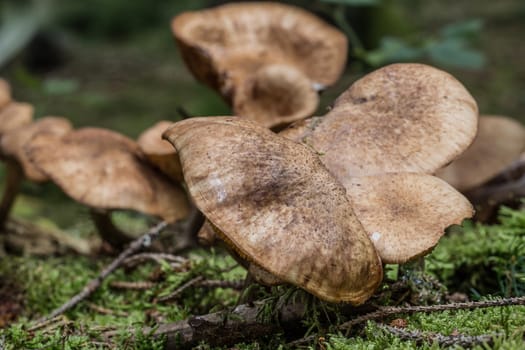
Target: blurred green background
114, 63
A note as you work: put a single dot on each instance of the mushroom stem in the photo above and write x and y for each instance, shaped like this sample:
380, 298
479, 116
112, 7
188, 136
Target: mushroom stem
107, 230
14, 176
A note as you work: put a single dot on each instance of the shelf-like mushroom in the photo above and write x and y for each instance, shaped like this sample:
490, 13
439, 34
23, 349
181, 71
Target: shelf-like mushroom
14, 115
268, 60
106, 171
499, 141
277, 206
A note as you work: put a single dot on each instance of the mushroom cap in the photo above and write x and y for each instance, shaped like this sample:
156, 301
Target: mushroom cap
276, 95
229, 46
160, 152
274, 202
265, 31
400, 118
104, 169
13, 143
5, 93
499, 141
405, 214
14, 115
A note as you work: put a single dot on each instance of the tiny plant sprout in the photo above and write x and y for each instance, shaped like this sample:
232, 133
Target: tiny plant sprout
106, 171
499, 141
268, 60
274, 203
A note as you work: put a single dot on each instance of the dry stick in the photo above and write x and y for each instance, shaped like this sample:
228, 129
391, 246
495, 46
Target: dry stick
443, 340
143, 241
137, 259
135, 285
235, 284
177, 292
387, 311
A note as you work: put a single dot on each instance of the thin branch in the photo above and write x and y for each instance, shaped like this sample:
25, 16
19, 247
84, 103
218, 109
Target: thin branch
177, 292
383, 312
444, 340
135, 285
143, 241
138, 259
235, 284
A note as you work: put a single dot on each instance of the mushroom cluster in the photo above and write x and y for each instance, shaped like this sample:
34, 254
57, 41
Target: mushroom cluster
268, 60
322, 204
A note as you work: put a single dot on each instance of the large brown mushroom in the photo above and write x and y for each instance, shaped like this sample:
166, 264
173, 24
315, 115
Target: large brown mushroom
277, 206
12, 148
5, 93
397, 121
14, 115
499, 141
106, 171
268, 60
400, 118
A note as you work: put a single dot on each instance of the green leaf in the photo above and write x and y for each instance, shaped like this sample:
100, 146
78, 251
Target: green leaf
392, 50
454, 52
464, 29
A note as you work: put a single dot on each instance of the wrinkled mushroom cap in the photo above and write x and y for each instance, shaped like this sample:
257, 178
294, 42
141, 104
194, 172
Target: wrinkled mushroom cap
13, 143
276, 95
400, 118
106, 170
277, 206
225, 47
405, 214
14, 115
5, 93
160, 152
499, 141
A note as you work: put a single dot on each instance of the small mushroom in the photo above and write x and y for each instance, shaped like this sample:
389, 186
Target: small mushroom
499, 141
106, 171
160, 152
12, 148
268, 60
400, 118
5, 93
275, 204
14, 115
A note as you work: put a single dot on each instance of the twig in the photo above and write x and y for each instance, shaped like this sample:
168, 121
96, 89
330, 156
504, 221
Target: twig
135, 285
54, 322
236, 284
137, 259
106, 311
143, 241
387, 311
177, 292
443, 340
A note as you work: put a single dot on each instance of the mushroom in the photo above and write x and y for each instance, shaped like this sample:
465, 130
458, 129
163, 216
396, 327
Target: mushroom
499, 141
106, 171
273, 202
268, 60
405, 214
14, 115
5, 93
18, 165
400, 118
396, 122
160, 152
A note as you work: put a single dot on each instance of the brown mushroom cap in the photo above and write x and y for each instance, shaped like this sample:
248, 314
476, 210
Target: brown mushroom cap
14, 115
160, 152
5, 93
400, 118
499, 142
278, 206
106, 170
225, 47
405, 214
13, 143
276, 95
